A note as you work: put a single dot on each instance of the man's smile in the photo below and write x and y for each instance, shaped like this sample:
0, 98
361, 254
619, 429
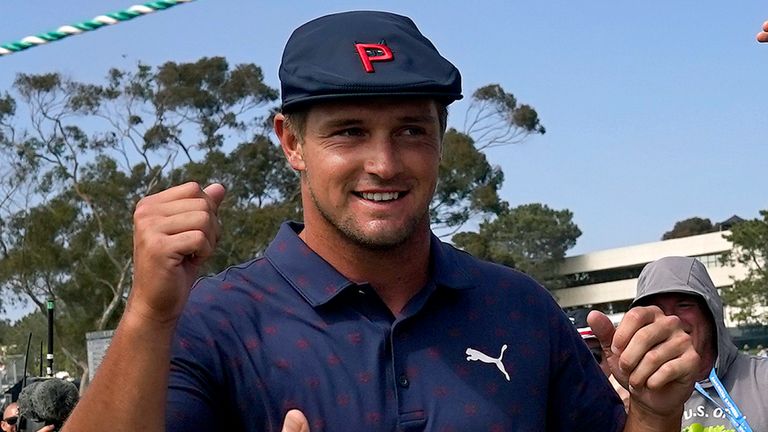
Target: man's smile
380, 196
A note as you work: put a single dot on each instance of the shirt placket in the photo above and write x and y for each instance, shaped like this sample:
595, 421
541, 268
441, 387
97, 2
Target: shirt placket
408, 385
411, 416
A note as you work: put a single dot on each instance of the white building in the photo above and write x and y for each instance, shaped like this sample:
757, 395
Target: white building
607, 279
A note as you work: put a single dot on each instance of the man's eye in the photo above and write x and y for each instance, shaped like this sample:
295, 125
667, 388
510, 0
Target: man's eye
350, 132
413, 131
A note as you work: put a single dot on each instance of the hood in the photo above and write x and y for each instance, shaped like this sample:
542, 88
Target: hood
689, 276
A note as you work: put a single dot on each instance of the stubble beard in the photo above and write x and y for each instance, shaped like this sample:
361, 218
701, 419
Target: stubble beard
350, 228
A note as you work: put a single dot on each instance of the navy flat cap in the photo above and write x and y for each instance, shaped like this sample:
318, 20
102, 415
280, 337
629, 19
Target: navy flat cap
363, 53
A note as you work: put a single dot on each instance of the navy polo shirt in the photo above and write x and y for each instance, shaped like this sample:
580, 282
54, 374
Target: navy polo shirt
480, 348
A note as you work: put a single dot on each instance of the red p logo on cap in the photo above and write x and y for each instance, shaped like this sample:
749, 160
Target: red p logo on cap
370, 53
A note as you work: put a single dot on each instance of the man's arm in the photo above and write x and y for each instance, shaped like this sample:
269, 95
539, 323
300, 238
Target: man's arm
654, 358
175, 231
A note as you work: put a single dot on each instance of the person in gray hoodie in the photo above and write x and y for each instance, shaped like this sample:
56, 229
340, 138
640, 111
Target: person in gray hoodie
681, 286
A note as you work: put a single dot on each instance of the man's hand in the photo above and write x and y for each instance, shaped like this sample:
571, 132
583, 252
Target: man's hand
763, 35
295, 422
175, 231
652, 357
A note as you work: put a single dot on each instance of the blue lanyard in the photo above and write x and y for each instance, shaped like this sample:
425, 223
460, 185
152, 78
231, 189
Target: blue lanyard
731, 411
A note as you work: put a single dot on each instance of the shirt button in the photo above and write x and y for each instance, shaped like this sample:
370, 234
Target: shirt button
403, 381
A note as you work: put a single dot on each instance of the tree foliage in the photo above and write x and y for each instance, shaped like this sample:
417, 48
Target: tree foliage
690, 227
532, 238
495, 118
750, 248
469, 184
89, 152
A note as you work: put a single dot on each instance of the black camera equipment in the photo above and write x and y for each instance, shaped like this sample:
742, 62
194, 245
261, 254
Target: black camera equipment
48, 401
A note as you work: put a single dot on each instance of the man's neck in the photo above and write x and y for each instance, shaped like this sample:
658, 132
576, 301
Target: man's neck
396, 274
708, 363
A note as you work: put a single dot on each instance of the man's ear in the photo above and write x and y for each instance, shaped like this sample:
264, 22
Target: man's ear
289, 142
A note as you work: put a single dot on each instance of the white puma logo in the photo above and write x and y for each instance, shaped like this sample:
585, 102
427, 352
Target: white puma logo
474, 355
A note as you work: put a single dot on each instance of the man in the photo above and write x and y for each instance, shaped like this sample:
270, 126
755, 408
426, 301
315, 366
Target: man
10, 418
578, 318
360, 318
682, 287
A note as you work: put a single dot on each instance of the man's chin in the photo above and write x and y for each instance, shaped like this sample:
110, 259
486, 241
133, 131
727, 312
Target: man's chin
381, 241
380, 236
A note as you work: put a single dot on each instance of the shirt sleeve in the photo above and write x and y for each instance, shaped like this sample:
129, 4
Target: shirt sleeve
581, 397
192, 401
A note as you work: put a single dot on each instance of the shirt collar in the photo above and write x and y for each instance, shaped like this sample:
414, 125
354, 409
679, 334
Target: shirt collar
319, 282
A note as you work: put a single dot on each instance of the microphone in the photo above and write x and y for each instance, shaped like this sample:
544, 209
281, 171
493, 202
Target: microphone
49, 402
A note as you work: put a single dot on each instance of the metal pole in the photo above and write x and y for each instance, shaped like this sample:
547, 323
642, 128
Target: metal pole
49, 368
26, 358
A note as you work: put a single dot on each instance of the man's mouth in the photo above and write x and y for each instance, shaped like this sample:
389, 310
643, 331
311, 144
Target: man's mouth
380, 196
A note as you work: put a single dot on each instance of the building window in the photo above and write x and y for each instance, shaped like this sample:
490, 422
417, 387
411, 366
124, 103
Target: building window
711, 260
572, 280
602, 276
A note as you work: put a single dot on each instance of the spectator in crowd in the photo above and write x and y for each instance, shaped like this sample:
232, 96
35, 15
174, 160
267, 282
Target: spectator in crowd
10, 418
732, 387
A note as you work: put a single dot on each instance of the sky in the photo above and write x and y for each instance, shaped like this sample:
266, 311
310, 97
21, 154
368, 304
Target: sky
655, 111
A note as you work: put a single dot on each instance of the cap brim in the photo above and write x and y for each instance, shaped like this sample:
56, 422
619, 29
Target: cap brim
673, 290
446, 98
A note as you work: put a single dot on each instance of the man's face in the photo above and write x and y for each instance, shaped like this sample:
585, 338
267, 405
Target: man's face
10, 415
695, 319
369, 168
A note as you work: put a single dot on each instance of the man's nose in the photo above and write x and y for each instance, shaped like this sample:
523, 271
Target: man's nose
383, 158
